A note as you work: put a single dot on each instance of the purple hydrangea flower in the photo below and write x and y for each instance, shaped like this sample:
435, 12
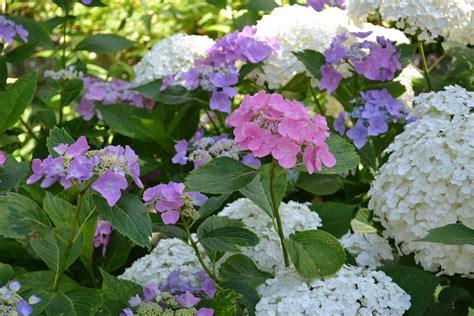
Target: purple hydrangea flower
181, 148
204, 311
207, 285
86, 2
358, 134
340, 123
135, 301
102, 235
126, 312
3, 158
252, 161
377, 126
330, 78
318, 5
9, 29
187, 299
23, 308
150, 291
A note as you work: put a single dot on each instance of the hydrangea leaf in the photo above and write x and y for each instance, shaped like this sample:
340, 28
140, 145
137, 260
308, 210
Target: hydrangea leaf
312, 60
336, 217
452, 234
59, 211
104, 43
219, 176
6, 272
225, 301
320, 184
12, 173
242, 268
315, 253
118, 290
57, 136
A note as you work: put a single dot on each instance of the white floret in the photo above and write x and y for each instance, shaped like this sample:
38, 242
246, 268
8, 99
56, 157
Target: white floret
173, 55
352, 291
369, 250
428, 180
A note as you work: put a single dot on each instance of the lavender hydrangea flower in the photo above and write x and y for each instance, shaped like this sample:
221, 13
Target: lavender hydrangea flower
77, 164
11, 303
9, 29
330, 78
318, 5
339, 123
102, 235
358, 134
3, 158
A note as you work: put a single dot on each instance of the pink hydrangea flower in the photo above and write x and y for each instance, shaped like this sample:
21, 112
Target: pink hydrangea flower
269, 124
3, 158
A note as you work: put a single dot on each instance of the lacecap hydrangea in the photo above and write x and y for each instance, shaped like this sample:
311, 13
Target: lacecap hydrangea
352, 291
171, 57
427, 19
427, 181
296, 28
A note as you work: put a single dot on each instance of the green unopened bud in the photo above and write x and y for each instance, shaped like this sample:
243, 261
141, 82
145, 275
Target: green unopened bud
149, 309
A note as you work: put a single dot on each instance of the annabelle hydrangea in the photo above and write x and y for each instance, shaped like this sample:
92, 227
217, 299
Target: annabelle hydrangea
352, 291
108, 92
427, 181
267, 253
427, 19
268, 124
296, 28
171, 57
169, 255
369, 250
76, 163
9, 30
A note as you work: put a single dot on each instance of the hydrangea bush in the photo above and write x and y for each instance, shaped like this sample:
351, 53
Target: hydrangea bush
295, 158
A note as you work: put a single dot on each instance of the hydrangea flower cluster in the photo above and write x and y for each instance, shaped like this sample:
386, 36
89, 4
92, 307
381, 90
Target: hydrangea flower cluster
203, 150
64, 74
75, 163
427, 181
296, 28
3, 158
169, 255
268, 124
427, 19
171, 58
267, 253
218, 73
369, 250
172, 202
108, 92
352, 291
102, 234
11, 303
318, 5
380, 109
374, 60
175, 297
9, 30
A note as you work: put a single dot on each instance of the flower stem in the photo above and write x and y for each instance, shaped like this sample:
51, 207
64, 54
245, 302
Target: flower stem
197, 252
69, 243
426, 71
316, 101
214, 125
276, 214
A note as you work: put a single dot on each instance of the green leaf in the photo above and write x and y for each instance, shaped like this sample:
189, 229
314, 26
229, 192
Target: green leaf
172, 96
21, 53
60, 211
72, 89
218, 3
117, 253
457, 297
315, 253
255, 192
420, 285
212, 205
219, 233
20, 217
242, 268
249, 298
6, 272
44, 280
261, 5
61, 305
117, 289
336, 217
52, 249
312, 60
459, 51
225, 301
12, 173
104, 43
85, 301
452, 234
57, 136
346, 156
248, 68
220, 176
363, 223
37, 32
16, 99
129, 217
320, 184
407, 51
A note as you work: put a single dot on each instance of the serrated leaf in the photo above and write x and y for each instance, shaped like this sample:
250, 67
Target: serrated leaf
320, 184
117, 289
12, 173
220, 176
60, 211
312, 60
242, 268
57, 136
104, 43
336, 217
225, 301
315, 253
452, 234
212, 205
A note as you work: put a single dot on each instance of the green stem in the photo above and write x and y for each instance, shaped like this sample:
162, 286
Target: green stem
214, 125
69, 244
63, 64
28, 128
426, 72
220, 118
276, 214
197, 252
316, 101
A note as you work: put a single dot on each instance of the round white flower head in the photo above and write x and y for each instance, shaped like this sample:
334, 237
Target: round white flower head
175, 54
352, 291
296, 28
369, 250
267, 254
428, 180
427, 19
464, 34
169, 254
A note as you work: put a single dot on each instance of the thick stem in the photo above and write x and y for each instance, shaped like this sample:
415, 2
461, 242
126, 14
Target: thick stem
197, 252
276, 214
426, 71
69, 243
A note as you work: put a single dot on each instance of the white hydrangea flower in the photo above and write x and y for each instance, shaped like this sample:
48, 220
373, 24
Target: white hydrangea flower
465, 33
431, 18
428, 180
267, 254
296, 28
175, 54
169, 254
352, 291
369, 250
405, 78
